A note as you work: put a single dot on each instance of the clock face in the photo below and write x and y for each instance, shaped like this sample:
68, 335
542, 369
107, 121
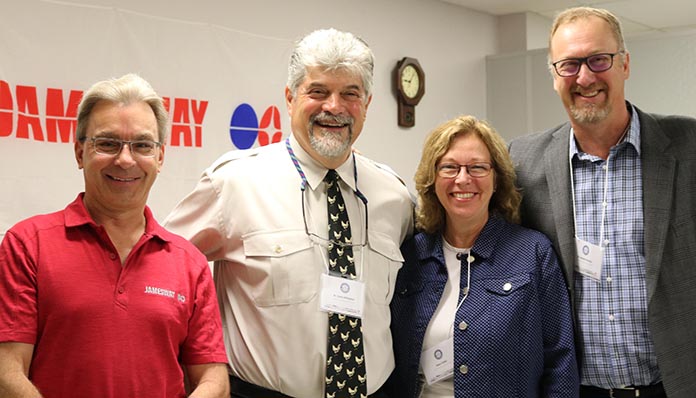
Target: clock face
410, 82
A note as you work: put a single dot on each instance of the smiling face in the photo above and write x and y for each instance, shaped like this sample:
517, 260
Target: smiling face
119, 183
465, 198
327, 114
589, 97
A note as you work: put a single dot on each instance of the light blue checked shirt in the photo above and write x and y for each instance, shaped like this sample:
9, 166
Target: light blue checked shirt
616, 345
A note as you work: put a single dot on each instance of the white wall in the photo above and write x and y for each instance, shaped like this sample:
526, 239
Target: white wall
521, 98
225, 52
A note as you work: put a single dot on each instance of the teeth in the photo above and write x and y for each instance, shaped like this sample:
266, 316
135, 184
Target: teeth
463, 195
123, 179
588, 94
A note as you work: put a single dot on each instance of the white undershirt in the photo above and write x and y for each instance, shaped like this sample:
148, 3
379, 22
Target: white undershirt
441, 324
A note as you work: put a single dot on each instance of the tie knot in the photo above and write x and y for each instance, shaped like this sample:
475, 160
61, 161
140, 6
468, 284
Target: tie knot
331, 176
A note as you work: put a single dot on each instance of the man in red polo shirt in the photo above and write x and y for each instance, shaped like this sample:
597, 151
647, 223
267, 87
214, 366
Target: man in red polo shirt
98, 300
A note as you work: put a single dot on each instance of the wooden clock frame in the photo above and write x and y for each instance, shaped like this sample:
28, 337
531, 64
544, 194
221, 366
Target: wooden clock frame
407, 105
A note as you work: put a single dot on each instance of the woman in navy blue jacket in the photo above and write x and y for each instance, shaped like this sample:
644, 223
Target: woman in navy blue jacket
481, 308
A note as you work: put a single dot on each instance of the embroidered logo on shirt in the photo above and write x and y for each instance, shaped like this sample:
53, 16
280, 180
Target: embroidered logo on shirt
158, 291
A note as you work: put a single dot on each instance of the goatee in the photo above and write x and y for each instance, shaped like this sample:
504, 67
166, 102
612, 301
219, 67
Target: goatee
326, 142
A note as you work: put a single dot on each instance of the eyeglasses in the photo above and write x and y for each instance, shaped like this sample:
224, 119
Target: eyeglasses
596, 63
328, 243
476, 170
113, 146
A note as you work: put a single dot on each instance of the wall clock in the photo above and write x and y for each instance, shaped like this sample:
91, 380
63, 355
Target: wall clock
409, 81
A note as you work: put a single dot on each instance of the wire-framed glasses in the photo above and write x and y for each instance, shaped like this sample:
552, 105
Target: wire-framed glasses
328, 243
596, 63
476, 170
113, 146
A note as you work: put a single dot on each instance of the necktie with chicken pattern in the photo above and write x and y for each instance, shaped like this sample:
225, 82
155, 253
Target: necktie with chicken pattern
345, 358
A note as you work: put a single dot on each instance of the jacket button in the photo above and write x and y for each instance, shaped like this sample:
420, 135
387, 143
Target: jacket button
463, 325
463, 369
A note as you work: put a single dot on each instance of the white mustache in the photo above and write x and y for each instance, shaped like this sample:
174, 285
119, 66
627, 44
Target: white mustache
327, 118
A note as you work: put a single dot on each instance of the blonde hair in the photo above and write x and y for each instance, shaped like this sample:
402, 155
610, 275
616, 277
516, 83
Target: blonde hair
430, 215
573, 14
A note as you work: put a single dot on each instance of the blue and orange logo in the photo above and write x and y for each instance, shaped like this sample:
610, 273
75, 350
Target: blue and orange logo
245, 128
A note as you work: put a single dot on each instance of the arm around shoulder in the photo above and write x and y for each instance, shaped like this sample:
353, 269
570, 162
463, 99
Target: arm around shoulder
15, 359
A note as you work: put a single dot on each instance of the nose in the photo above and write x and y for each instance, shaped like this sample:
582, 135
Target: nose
333, 103
585, 76
463, 175
125, 157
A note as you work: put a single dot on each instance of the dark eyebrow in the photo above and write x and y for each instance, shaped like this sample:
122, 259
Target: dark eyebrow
145, 137
105, 134
137, 137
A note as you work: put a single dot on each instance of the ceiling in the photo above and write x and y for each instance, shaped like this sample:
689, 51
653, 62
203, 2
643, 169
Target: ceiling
638, 17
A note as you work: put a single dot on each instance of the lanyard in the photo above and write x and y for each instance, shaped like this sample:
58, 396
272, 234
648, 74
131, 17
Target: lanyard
606, 186
604, 199
460, 256
469, 260
303, 177
318, 239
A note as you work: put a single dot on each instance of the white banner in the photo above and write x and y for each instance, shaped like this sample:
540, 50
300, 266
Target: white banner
224, 89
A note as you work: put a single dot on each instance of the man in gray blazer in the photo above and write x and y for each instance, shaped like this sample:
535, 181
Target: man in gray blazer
615, 190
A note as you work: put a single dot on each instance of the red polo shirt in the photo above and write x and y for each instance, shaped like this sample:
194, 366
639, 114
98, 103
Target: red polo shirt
100, 329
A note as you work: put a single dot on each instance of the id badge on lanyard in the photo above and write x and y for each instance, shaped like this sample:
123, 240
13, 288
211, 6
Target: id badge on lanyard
588, 256
438, 362
342, 296
588, 259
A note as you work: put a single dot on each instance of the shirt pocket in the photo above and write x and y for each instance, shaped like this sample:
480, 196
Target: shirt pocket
382, 265
513, 285
284, 266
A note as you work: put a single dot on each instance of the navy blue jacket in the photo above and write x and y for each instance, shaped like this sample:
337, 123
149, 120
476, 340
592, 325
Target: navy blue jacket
519, 339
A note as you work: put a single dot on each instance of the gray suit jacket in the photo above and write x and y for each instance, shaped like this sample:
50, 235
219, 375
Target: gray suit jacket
668, 158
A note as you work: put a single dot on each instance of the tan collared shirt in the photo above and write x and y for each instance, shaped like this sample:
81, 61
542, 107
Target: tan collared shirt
245, 214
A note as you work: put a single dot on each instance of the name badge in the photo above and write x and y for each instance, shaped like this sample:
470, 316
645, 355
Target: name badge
589, 259
342, 296
438, 362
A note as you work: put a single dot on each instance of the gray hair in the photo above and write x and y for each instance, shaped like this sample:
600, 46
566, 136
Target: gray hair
126, 89
330, 50
573, 14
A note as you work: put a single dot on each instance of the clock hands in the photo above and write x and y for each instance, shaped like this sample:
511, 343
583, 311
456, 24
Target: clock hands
409, 87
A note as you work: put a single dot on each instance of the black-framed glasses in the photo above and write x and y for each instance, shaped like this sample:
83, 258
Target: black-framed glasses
113, 146
596, 63
476, 170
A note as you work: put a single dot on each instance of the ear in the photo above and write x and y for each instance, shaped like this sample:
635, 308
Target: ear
160, 161
79, 153
627, 65
288, 100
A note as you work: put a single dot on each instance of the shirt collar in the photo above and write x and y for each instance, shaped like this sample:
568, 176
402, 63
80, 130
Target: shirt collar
315, 172
76, 215
432, 244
